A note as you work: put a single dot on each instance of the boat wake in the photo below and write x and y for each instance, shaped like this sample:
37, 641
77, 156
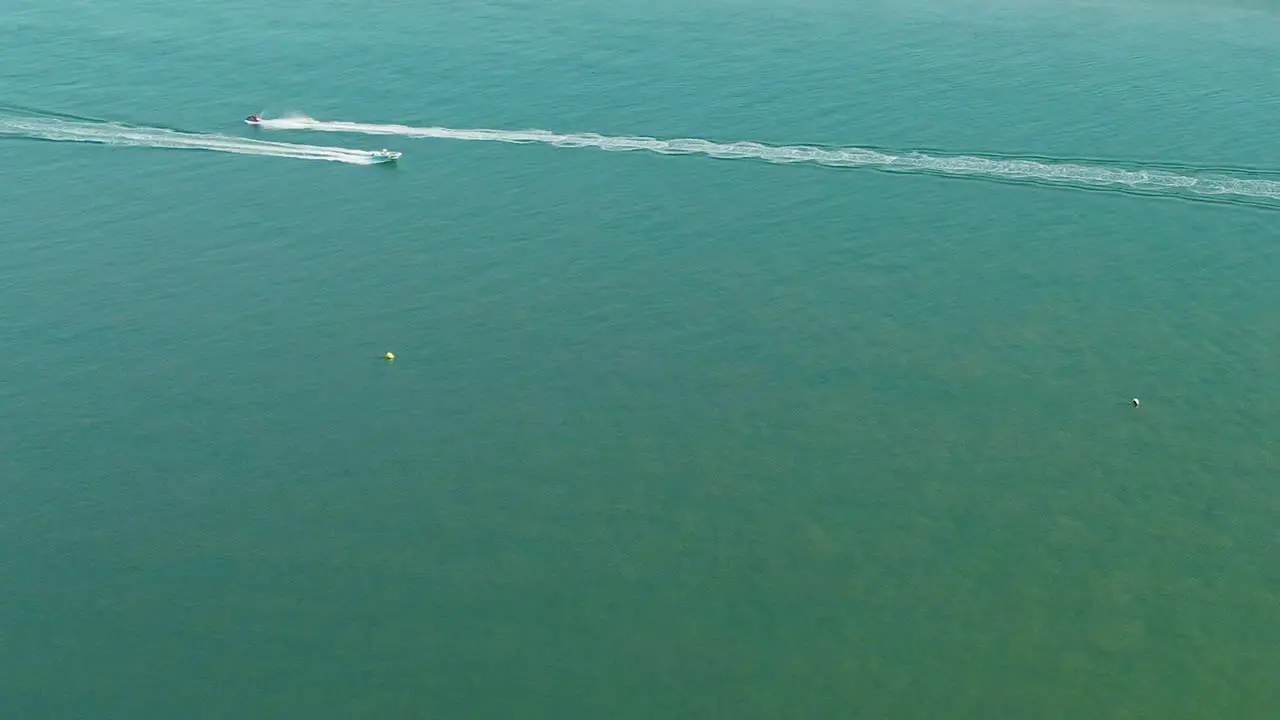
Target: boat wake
1230, 185
68, 129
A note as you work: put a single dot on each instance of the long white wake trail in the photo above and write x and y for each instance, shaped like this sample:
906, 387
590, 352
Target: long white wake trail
1184, 182
109, 133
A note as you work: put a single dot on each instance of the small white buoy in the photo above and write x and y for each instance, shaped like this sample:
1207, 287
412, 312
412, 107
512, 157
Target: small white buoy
1135, 402
392, 356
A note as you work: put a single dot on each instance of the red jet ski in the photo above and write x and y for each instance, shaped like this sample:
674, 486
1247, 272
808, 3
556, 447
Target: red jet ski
254, 119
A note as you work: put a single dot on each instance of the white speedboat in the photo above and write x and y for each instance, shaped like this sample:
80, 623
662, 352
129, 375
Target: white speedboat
254, 120
385, 155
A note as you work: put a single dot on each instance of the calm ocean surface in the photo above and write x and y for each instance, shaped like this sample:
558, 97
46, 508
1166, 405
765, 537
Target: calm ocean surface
840, 428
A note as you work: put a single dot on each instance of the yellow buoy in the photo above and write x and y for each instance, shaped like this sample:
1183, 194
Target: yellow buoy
390, 356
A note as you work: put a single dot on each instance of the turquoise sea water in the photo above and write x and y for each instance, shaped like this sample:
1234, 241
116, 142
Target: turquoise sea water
666, 435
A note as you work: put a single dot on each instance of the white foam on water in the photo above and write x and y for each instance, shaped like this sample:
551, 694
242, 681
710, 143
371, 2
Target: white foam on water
1151, 180
110, 133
